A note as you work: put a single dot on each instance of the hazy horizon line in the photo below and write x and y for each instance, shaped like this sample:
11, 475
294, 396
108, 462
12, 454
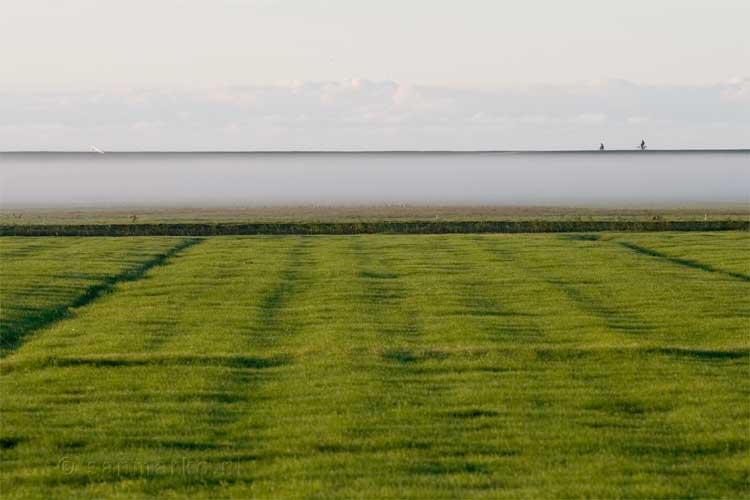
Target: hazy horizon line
381, 151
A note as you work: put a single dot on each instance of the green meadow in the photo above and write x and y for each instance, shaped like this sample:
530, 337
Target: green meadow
376, 366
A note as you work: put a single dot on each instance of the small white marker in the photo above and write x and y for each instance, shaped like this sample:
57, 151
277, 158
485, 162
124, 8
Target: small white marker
96, 150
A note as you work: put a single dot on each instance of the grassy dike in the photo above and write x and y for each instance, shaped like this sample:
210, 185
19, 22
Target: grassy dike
394, 227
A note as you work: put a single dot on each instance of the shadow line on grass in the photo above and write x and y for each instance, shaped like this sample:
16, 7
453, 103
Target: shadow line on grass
16, 332
115, 361
702, 354
694, 264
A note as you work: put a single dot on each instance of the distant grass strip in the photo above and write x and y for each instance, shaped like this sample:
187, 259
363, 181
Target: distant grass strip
392, 227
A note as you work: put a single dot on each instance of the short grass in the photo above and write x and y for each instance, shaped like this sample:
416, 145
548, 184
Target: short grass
483, 366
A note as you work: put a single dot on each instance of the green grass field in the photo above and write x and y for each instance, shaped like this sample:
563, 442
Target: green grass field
483, 366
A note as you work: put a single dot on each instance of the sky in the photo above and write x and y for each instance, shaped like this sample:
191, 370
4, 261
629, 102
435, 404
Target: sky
417, 74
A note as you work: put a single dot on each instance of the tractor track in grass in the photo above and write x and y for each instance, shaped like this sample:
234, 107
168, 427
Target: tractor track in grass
268, 334
17, 332
505, 321
690, 263
616, 319
279, 296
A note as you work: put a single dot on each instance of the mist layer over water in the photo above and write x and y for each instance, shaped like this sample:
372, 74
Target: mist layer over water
255, 179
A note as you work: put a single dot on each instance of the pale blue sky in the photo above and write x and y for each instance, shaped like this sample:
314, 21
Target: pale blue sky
85, 43
376, 74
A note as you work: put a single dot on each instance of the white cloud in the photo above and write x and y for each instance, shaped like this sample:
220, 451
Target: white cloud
147, 127
363, 114
637, 119
738, 90
589, 118
535, 119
